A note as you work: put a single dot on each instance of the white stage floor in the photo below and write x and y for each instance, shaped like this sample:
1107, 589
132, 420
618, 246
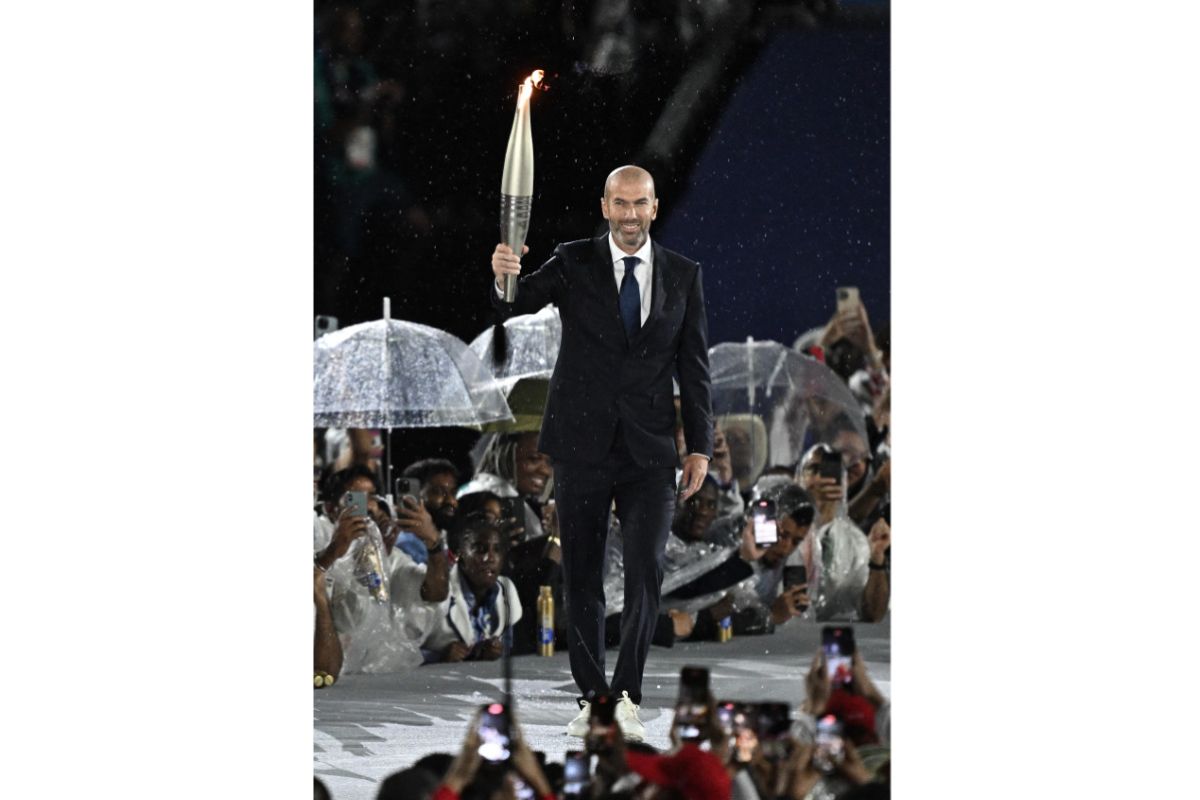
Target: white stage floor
366, 727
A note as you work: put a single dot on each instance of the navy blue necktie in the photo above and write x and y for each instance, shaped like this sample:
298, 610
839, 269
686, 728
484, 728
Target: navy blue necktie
630, 299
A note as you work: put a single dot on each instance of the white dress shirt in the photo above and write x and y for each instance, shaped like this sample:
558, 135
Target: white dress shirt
644, 271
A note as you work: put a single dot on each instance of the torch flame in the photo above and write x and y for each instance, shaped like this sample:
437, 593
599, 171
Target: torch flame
527, 87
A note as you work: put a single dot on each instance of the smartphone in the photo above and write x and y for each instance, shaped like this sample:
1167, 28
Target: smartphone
522, 790
693, 684
323, 325
728, 714
838, 643
577, 774
407, 487
691, 709
495, 734
773, 723
356, 504
603, 711
829, 746
602, 726
847, 298
794, 576
830, 466
765, 531
736, 721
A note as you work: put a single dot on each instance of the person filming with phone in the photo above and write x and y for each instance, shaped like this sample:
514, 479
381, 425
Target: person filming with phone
475, 622
848, 568
754, 587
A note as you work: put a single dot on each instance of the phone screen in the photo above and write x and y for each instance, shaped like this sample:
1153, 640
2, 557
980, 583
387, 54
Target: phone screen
765, 530
838, 644
774, 723
829, 747
727, 712
522, 790
494, 741
691, 710
577, 774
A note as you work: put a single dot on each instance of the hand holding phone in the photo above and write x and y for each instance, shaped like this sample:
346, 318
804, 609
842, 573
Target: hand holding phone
355, 504
847, 299
407, 487
495, 734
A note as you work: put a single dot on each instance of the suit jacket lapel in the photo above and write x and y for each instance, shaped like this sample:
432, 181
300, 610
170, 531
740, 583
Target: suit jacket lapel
657, 293
602, 273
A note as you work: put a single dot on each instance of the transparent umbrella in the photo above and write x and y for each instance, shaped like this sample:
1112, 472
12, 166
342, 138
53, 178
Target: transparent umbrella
395, 374
773, 403
533, 347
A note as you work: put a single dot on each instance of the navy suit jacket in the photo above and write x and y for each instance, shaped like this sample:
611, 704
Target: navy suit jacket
601, 377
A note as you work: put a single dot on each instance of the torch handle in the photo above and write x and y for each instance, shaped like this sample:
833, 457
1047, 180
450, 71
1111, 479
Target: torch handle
514, 225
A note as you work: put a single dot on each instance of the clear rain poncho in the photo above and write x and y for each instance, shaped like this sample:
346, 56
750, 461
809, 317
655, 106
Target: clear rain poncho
376, 636
758, 590
683, 563
836, 555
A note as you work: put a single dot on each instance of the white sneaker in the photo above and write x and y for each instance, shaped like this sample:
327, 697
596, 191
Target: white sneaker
579, 726
626, 716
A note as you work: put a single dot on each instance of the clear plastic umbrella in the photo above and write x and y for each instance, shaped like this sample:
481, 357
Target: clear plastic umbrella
533, 347
395, 374
774, 403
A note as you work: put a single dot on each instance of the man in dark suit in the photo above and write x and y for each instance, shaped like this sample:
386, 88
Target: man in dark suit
632, 316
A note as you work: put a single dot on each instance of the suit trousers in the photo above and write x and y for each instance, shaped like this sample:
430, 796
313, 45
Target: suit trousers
645, 502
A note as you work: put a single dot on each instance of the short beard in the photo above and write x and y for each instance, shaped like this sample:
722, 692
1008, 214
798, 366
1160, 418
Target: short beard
443, 519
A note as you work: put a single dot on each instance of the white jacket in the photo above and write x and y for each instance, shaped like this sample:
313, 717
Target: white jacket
450, 620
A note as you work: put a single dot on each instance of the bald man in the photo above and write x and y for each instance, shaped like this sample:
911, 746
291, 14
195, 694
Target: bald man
632, 317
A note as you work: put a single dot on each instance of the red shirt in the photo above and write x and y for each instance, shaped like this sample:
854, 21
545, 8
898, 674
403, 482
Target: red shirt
694, 773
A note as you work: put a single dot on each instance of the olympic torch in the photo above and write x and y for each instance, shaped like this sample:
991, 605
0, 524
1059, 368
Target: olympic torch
516, 184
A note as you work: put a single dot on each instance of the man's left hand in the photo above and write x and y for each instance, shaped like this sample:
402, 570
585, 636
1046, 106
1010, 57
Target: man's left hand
695, 467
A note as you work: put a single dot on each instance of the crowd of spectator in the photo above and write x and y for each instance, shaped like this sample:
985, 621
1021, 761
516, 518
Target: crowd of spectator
835, 744
463, 559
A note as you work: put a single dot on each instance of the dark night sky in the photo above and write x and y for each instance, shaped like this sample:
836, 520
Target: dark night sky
790, 198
